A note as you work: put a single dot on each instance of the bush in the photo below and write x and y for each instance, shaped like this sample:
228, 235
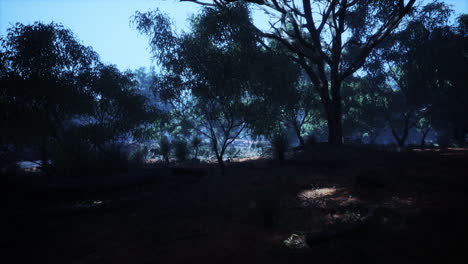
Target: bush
181, 150
164, 149
138, 157
279, 145
75, 158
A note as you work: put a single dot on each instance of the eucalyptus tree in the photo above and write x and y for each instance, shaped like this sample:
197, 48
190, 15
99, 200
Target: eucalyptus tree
57, 97
403, 79
364, 103
330, 40
45, 78
441, 65
120, 111
206, 72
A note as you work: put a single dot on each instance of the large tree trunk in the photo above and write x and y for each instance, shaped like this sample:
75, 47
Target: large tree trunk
335, 129
335, 115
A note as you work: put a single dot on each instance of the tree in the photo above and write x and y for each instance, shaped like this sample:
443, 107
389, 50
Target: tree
405, 81
120, 112
210, 73
441, 66
330, 40
363, 104
57, 98
165, 148
45, 78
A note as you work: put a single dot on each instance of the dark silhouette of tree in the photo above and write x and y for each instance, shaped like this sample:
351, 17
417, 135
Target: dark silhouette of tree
45, 78
120, 111
441, 67
405, 83
196, 143
56, 97
330, 40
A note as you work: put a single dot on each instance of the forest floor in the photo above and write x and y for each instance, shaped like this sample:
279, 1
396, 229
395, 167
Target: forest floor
315, 207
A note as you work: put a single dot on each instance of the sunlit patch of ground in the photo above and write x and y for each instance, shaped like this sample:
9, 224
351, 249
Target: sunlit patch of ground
247, 159
316, 193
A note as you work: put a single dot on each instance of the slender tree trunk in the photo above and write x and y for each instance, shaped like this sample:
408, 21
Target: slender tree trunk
218, 154
297, 129
220, 162
423, 138
400, 140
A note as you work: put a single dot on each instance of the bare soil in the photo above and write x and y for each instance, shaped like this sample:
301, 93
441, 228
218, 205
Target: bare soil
197, 214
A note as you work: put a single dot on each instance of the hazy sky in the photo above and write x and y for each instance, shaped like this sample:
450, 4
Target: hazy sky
105, 24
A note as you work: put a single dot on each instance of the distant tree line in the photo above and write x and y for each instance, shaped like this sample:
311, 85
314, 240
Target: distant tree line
347, 74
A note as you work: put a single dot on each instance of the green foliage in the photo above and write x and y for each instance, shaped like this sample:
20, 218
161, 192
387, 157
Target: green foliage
44, 81
207, 71
295, 241
52, 86
119, 109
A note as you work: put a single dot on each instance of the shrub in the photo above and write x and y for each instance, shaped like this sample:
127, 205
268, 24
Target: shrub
76, 158
279, 145
181, 150
138, 157
164, 149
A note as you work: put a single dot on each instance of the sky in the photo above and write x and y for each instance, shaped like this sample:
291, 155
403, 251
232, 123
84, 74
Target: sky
105, 24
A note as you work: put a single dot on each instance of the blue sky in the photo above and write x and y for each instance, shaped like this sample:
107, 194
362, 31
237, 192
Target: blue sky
105, 24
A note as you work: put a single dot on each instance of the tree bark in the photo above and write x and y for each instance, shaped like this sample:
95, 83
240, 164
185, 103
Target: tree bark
297, 129
335, 115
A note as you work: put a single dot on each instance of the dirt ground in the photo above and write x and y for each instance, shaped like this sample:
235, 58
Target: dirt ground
323, 205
